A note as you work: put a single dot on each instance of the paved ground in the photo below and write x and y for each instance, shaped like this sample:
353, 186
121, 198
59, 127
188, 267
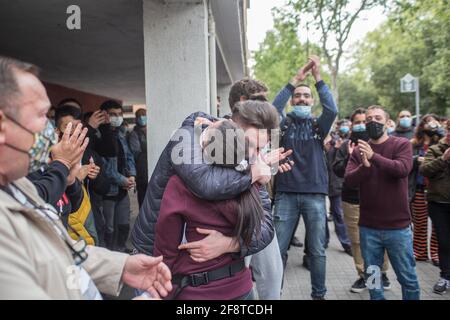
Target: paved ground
340, 273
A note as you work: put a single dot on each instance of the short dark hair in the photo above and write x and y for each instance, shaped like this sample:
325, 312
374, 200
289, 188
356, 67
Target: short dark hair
64, 111
357, 112
304, 85
110, 104
259, 114
9, 89
248, 88
398, 113
386, 114
138, 111
68, 101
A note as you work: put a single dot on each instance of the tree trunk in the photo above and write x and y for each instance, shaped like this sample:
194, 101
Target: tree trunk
335, 86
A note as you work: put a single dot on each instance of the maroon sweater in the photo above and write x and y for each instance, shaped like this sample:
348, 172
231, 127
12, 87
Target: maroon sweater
180, 206
383, 186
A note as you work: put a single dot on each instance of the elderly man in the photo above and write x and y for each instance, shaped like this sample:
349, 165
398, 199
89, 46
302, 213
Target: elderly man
38, 258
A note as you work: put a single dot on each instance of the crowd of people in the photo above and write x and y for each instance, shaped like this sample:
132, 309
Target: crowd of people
221, 208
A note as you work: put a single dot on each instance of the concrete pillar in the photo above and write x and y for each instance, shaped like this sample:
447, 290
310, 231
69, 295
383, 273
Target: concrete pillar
212, 61
176, 67
223, 91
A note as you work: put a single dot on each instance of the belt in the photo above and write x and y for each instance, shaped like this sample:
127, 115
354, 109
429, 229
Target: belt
202, 278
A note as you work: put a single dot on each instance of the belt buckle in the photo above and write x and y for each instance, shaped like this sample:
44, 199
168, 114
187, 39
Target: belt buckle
198, 279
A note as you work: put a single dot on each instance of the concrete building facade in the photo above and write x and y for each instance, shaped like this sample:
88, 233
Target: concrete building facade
174, 56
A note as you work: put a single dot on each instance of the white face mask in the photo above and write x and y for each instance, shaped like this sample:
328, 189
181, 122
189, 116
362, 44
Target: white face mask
116, 121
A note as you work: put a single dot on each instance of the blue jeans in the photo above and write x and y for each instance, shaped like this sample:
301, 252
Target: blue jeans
399, 247
338, 217
288, 207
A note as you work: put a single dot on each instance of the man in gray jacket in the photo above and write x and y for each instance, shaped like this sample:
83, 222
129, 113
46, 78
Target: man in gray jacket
38, 258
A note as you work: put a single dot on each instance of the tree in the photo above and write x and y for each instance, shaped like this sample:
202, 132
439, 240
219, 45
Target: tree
416, 40
280, 55
334, 19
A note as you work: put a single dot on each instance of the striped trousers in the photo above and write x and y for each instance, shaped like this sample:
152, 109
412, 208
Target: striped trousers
419, 208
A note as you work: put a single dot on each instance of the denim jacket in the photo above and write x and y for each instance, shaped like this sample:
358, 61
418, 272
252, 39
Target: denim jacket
111, 166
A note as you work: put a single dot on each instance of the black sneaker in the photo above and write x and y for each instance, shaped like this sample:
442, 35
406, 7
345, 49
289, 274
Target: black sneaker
441, 286
386, 282
296, 242
359, 286
318, 298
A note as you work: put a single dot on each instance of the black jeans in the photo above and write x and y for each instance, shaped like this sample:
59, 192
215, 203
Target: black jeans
440, 216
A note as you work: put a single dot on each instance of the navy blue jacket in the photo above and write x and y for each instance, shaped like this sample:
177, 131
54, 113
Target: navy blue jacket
309, 174
204, 181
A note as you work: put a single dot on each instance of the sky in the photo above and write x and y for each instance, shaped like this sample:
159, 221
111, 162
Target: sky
260, 21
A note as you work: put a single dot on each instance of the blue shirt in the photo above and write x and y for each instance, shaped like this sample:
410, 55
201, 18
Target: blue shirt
309, 173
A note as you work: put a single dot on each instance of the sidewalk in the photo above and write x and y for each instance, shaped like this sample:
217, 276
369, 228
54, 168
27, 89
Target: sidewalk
341, 274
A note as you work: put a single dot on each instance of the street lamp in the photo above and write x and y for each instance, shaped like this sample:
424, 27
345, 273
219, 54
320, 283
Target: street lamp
411, 84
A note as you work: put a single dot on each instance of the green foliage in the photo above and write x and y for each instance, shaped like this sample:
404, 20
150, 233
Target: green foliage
280, 56
415, 39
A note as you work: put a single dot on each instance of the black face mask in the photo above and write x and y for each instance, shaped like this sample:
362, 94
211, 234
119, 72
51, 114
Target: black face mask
375, 130
362, 135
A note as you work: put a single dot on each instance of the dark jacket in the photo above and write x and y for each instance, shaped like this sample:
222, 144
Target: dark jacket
404, 133
99, 185
438, 173
51, 182
103, 140
137, 141
203, 180
119, 167
349, 194
335, 182
305, 137
51, 185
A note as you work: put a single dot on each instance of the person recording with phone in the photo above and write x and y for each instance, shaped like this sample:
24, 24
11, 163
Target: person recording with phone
121, 171
350, 199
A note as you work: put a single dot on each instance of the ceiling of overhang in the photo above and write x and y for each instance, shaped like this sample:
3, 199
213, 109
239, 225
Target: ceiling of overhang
106, 56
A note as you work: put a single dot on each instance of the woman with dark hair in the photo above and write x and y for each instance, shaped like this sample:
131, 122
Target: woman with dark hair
436, 167
183, 215
427, 134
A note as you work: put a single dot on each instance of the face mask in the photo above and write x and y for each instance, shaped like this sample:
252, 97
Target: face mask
40, 151
359, 127
375, 130
302, 112
344, 130
405, 122
390, 130
116, 121
142, 121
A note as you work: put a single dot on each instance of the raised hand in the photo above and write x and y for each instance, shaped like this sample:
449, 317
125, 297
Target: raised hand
315, 60
71, 147
97, 118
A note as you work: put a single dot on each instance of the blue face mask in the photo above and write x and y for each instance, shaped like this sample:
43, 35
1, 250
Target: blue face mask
302, 112
359, 127
344, 130
405, 122
142, 121
390, 130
